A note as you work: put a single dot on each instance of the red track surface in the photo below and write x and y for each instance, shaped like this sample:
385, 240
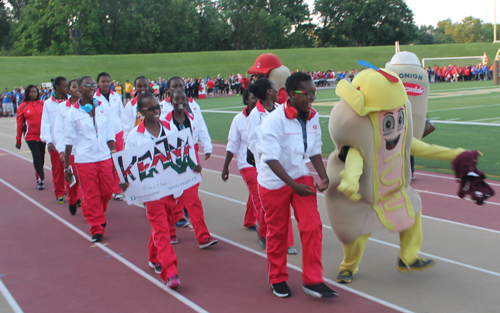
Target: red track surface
49, 268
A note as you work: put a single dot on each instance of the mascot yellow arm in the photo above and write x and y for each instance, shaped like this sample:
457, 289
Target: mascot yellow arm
349, 185
434, 152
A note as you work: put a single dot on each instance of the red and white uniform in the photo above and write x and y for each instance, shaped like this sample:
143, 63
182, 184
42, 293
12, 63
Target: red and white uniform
190, 199
62, 111
130, 117
159, 212
254, 124
29, 114
194, 108
115, 110
89, 137
48, 135
282, 137
237, 145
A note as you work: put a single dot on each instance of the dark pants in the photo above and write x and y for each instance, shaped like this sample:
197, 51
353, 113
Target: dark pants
38, 152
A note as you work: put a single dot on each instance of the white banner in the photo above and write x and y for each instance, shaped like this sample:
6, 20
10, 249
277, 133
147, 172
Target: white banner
159, 168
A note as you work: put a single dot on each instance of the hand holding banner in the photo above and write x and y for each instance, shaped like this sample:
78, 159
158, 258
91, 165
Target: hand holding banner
158, 168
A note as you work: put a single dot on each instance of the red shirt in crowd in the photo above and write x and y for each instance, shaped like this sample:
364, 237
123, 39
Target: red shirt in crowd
29, 114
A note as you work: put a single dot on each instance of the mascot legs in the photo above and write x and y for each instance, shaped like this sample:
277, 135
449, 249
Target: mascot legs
411, 241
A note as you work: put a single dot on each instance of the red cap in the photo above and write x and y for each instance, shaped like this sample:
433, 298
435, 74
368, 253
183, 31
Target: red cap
244, 82
264, 64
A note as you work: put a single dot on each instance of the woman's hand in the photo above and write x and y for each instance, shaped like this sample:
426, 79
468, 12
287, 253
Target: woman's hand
197, 168
225, 174
18, 146
123, 186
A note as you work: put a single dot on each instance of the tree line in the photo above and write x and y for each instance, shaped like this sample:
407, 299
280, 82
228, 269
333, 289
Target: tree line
42, 27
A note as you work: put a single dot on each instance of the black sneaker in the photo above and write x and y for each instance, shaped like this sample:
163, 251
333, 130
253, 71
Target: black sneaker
319, 291
72, 209
156, 266
344, 277
104, 225
418, 265
97, 238
261, 241
40, 186
78, 203
281, 290
252, 228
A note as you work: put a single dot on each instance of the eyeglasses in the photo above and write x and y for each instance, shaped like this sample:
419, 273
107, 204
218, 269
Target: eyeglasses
311, 94
152, 109
90, 85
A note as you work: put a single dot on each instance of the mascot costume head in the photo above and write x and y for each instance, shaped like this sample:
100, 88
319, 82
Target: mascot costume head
269, 65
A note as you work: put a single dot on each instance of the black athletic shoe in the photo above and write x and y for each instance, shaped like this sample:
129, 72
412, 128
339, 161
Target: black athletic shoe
418, 265
78, 203
72, 209
252, 228
104, 225
319, 291
281, 290
40, 186
96, 238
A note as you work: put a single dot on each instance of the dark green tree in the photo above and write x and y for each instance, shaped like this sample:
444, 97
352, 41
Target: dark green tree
4, 27
365, 22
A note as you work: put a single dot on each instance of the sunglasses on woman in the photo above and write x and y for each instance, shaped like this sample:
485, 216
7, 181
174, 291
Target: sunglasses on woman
152, 109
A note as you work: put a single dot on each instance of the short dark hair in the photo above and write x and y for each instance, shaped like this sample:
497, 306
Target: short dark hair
27, 93
246, 95
293, 81
71, 81
142, 97
81, 79
102, 74
172, 92
259, 88
172, 78
58, 80
139, 77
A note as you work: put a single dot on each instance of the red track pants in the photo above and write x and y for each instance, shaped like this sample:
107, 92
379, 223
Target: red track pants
96, 186
261, 219
74, 192
276, 205
191, 201
118, 147
254, 205
58, 181
160, 249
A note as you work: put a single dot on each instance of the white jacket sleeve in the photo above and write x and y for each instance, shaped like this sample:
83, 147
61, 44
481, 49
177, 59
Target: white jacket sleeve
118, 119
204, 136
271, 130
45, 134
233, 139
110, 127
318, 142
59, 129
254, 131
128, 120
70, 130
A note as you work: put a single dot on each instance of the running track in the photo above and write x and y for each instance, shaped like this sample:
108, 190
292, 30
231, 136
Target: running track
49, 265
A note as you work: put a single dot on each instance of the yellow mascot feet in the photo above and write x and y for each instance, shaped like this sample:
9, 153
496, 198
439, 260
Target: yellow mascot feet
418, 265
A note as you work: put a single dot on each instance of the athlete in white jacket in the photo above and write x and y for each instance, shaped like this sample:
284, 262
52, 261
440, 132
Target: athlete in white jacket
131, 117
47, 134
89, 130
106, 96
237, 145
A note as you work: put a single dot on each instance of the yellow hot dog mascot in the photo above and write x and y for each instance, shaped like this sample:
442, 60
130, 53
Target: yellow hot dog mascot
369, 170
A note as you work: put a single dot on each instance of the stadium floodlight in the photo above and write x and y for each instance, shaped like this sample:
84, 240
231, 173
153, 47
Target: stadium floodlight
481, 57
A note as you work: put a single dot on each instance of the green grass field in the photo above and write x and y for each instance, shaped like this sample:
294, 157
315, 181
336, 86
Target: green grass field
461, 102
17, 71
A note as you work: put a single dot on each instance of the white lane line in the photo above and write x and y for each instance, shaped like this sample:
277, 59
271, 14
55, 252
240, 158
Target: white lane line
7, 135
485, 119
10, 299
464, 108
453, 119
378, 241
298, 269
127, 263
